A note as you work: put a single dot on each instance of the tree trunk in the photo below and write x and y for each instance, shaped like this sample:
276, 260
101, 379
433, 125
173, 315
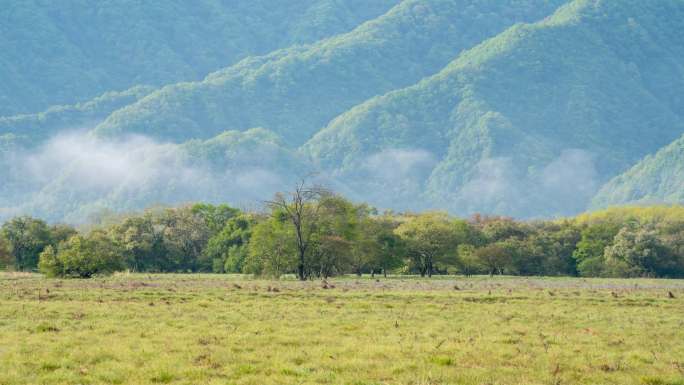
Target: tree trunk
384, 272
300, 267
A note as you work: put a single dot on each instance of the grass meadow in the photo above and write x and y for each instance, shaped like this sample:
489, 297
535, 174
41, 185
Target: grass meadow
221, 329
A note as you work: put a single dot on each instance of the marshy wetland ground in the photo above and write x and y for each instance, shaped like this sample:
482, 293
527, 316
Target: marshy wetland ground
222, 329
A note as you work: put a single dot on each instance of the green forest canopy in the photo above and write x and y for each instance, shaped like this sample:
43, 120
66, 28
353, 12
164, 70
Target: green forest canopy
312, 232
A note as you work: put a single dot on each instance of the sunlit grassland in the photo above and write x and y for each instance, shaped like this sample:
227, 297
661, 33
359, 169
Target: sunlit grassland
218, 329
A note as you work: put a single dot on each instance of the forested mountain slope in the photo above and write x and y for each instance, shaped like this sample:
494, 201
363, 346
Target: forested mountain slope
529, 122
510, 107
296, 91
31, 129
68, 51
657, 178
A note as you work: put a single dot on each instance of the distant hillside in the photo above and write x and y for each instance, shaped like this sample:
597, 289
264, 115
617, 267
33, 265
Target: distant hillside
31, 129
529, 122
296, 91
512, 107
657, 178
68, 51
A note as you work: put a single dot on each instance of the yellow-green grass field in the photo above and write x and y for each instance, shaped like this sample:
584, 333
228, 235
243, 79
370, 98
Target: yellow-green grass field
219, 329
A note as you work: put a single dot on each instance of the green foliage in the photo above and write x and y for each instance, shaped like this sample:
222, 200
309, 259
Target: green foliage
227, 249
338, 244
493, 257
431, 240
272, 250
61, 53
469, 262
6, 257
26, 238
516, 107
32, 129
656, 178
637, 251
215, 217
589, 250
382, 249
278, 91
82, 257
188, 238
651, 214
341, 237
141, 242
530, 122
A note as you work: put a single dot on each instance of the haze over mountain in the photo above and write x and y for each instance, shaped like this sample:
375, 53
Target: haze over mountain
514, 107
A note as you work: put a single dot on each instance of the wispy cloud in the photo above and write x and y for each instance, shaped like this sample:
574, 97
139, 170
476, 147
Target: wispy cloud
73, 171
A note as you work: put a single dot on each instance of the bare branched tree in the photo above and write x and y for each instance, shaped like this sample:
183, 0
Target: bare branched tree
301, 207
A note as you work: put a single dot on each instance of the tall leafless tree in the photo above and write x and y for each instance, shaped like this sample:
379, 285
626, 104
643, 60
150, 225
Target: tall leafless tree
301, 208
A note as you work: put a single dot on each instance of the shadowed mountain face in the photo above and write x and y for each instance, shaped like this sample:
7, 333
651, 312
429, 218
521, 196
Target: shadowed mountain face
516, 107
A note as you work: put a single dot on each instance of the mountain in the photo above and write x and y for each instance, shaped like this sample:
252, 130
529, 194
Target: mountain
296, 91
66, 52
512, 107
657, 178
31, 129
529, 122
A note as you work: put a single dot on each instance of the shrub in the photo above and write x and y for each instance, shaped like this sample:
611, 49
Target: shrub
82, 257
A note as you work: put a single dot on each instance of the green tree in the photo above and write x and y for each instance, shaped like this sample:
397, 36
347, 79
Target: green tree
300, 208
338, 244
559, 241
82, 257
589, 251
60, 233
185, 237
468, 261
272, 249
215, 216
431, 240
138, 241
494, 257
637, 251
227, 249
671, 233
384, 248
332, 256
27, 237
6, 258
499, 229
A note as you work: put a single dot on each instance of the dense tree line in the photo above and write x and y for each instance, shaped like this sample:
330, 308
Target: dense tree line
314, 233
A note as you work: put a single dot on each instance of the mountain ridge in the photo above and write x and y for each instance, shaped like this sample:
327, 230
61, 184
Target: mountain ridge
69, 51
522, 108
304, 87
